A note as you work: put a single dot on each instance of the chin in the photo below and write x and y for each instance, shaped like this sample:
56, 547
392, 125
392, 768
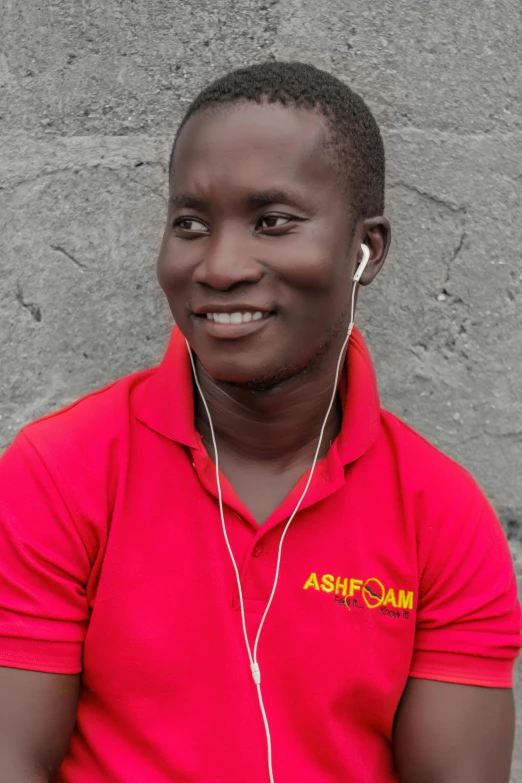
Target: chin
229, 372
256, 377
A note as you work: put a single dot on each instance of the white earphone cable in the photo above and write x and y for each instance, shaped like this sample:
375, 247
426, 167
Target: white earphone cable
252, 656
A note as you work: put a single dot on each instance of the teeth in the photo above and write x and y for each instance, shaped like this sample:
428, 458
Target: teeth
235, 318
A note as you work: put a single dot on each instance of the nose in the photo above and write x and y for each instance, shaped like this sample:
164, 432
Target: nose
227, 263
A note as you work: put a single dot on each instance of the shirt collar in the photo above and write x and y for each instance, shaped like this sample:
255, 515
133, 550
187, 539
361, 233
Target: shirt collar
167, 406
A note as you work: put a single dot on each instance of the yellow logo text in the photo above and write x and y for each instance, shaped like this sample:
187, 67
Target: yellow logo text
372, 590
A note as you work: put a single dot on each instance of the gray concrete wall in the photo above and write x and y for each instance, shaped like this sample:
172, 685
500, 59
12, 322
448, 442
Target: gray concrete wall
90, 95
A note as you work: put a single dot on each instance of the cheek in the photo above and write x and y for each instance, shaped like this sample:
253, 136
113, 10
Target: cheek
317, 265
320, 277
174, 265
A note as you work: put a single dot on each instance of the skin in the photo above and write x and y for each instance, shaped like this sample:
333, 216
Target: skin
259, 220
37, 714
292, 256
449, 733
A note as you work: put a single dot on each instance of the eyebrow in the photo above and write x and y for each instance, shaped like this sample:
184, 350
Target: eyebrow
263, 198
255, 198
188, 201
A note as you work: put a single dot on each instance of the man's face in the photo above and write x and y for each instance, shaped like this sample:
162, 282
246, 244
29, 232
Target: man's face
259, 248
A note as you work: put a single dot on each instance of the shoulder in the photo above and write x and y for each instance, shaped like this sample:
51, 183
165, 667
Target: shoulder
424, 468
98, 417
456, 526
442, 501
84, 444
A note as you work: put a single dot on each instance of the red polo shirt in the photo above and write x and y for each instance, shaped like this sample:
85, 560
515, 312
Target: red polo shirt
114, 564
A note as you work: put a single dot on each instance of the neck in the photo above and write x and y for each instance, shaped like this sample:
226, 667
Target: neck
281, 425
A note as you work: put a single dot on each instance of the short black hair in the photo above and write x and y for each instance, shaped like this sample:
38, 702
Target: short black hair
354, 134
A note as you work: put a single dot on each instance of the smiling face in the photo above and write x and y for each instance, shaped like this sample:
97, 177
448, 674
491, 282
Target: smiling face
259, 248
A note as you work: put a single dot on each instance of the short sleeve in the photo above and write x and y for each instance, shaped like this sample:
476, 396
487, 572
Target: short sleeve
44, 567
469, 619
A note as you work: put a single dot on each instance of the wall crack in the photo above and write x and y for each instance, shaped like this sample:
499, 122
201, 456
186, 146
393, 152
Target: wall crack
449, 267
33, 308
60, 249
430, 197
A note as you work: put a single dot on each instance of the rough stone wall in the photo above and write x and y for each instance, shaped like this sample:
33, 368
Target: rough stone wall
90, 95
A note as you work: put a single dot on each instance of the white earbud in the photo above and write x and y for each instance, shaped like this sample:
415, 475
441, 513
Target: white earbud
362, 264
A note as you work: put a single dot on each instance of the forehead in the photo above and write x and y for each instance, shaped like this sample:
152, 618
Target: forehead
261, 145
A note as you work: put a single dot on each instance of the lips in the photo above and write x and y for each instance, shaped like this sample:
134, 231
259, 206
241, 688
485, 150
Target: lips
231, 307
237, 317
231, 323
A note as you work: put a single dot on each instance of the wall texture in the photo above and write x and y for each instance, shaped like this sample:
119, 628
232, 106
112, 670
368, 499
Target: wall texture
90, 95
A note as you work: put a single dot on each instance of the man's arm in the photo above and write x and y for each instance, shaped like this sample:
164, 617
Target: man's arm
449, 733
37, 715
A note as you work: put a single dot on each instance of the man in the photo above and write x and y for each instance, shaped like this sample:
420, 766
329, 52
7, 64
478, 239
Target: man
243, 569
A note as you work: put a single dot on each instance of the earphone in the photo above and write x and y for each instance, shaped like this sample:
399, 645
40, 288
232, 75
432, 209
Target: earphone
252, 653
362, 264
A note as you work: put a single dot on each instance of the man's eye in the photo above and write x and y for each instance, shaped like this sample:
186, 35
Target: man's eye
274, 221
190, 225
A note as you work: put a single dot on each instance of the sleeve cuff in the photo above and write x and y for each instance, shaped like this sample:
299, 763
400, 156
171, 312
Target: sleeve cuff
41, 656
463, 668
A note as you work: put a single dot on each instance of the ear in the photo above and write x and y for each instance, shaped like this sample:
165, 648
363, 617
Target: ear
375, 233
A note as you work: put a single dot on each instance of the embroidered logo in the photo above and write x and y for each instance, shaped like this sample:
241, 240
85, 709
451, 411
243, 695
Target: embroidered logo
369, 593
